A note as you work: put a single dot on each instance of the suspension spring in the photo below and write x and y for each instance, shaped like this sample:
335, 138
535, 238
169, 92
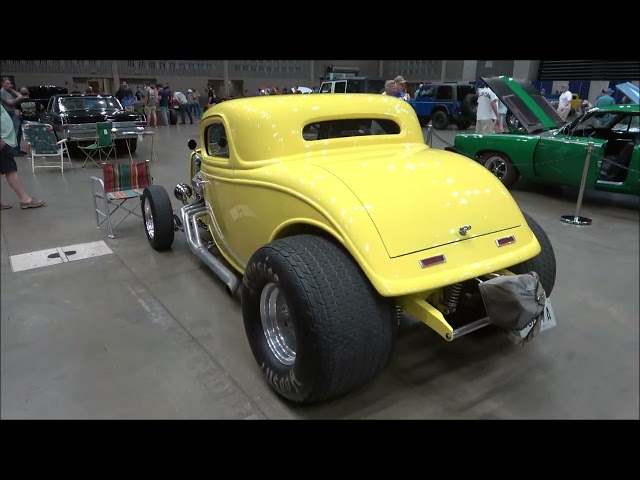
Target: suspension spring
450, 297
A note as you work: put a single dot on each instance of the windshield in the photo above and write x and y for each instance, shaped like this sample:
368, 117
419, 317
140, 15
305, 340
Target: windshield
88, 103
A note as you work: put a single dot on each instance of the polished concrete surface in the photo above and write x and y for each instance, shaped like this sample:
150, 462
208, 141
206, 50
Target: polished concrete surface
142, 334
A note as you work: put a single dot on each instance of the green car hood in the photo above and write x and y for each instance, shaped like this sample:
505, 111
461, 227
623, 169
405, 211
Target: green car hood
533, 111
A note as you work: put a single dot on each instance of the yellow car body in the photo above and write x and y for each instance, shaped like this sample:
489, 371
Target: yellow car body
390, 200
332, 217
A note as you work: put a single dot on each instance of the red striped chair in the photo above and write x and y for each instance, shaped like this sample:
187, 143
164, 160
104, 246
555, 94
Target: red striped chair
121, 182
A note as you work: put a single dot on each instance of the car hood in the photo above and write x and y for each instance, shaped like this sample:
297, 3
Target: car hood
93, 116
421, 198
630, 90
533, 111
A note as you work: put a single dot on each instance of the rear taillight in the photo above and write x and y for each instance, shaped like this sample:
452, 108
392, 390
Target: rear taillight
458, 107
435, 260
501, 242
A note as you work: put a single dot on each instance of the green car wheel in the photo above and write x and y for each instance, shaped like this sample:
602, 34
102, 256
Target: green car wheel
502, 167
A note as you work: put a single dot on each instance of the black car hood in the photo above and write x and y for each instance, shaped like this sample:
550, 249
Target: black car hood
93, 116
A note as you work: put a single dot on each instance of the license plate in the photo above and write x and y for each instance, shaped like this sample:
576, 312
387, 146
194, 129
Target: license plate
548, 321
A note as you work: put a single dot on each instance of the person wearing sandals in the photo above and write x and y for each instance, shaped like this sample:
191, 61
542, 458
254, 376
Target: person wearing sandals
8, 167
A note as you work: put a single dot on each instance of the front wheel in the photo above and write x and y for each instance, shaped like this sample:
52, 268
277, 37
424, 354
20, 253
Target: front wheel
157, 216
440, 120
315, 324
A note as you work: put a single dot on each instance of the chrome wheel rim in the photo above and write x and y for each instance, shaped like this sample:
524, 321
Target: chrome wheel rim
497, 166
277, 324
148, 219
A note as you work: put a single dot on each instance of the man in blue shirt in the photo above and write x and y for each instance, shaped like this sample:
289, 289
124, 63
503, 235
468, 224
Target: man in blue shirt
163, 103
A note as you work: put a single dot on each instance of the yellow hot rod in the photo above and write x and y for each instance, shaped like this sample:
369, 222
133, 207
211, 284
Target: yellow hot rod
330, 218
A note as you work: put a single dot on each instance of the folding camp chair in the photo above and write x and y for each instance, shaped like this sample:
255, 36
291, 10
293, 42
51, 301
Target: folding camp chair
104, 144
120, 183
44, 143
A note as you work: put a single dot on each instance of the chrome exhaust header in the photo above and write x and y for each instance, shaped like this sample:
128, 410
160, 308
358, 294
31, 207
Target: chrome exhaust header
190, 215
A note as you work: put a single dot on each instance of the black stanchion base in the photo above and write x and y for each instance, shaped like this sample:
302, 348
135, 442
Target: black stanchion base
576, 220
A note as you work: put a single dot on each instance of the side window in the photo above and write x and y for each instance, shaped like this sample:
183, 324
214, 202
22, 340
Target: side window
353, 87
445, 93
50, 105
341, 87
464, 90
326, 88
217, 142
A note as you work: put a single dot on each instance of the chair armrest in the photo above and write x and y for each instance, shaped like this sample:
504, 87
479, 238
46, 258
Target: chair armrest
64, 140
94, 182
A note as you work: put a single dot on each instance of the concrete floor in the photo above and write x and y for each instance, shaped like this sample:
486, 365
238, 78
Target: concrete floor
142, 334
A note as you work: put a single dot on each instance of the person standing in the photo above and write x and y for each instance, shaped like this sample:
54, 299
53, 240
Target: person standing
8, 166
487, 114
606, 99
10, 99
163, 95
150, 102
564, 102
29, 108
183, 106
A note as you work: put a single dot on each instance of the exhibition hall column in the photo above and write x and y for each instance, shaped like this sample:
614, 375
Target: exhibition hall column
225, 76
116, 75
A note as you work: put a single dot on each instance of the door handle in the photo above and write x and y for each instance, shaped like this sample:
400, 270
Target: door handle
599, 163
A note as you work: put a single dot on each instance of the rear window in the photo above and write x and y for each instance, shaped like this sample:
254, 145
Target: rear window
349, 128
464, 90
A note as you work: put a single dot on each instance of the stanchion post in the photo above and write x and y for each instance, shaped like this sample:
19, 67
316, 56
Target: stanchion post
576, 219
430, 135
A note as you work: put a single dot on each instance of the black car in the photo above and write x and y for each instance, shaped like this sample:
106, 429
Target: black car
74, 116
43, 93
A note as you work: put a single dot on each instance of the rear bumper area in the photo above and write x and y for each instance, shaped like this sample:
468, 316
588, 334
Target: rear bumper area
420, 309
462, 260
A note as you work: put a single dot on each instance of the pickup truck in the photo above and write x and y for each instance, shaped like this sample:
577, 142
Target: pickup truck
74, 117
446, 103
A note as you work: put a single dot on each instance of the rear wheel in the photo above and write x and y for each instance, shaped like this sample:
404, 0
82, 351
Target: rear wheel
315, 324
501, 166
544, 264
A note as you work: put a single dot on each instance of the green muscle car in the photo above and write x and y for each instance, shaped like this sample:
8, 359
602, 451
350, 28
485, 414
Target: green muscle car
541, 147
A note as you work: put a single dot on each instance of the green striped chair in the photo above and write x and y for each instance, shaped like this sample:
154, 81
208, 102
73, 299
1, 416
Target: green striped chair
121, 182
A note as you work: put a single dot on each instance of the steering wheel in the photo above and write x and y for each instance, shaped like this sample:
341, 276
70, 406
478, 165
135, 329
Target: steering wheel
589, 131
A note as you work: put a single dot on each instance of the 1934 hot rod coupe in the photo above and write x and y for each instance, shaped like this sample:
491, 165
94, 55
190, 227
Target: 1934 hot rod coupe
331, 217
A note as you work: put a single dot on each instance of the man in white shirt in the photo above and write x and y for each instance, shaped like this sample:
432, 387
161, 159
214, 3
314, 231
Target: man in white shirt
183, 106
487, 113
564, 102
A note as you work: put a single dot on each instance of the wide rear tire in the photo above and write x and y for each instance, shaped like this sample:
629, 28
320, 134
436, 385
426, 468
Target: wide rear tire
544, 264
315, 324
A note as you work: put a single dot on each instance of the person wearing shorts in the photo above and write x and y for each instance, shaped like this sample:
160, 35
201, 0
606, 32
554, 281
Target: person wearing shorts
8, 166
150, 99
